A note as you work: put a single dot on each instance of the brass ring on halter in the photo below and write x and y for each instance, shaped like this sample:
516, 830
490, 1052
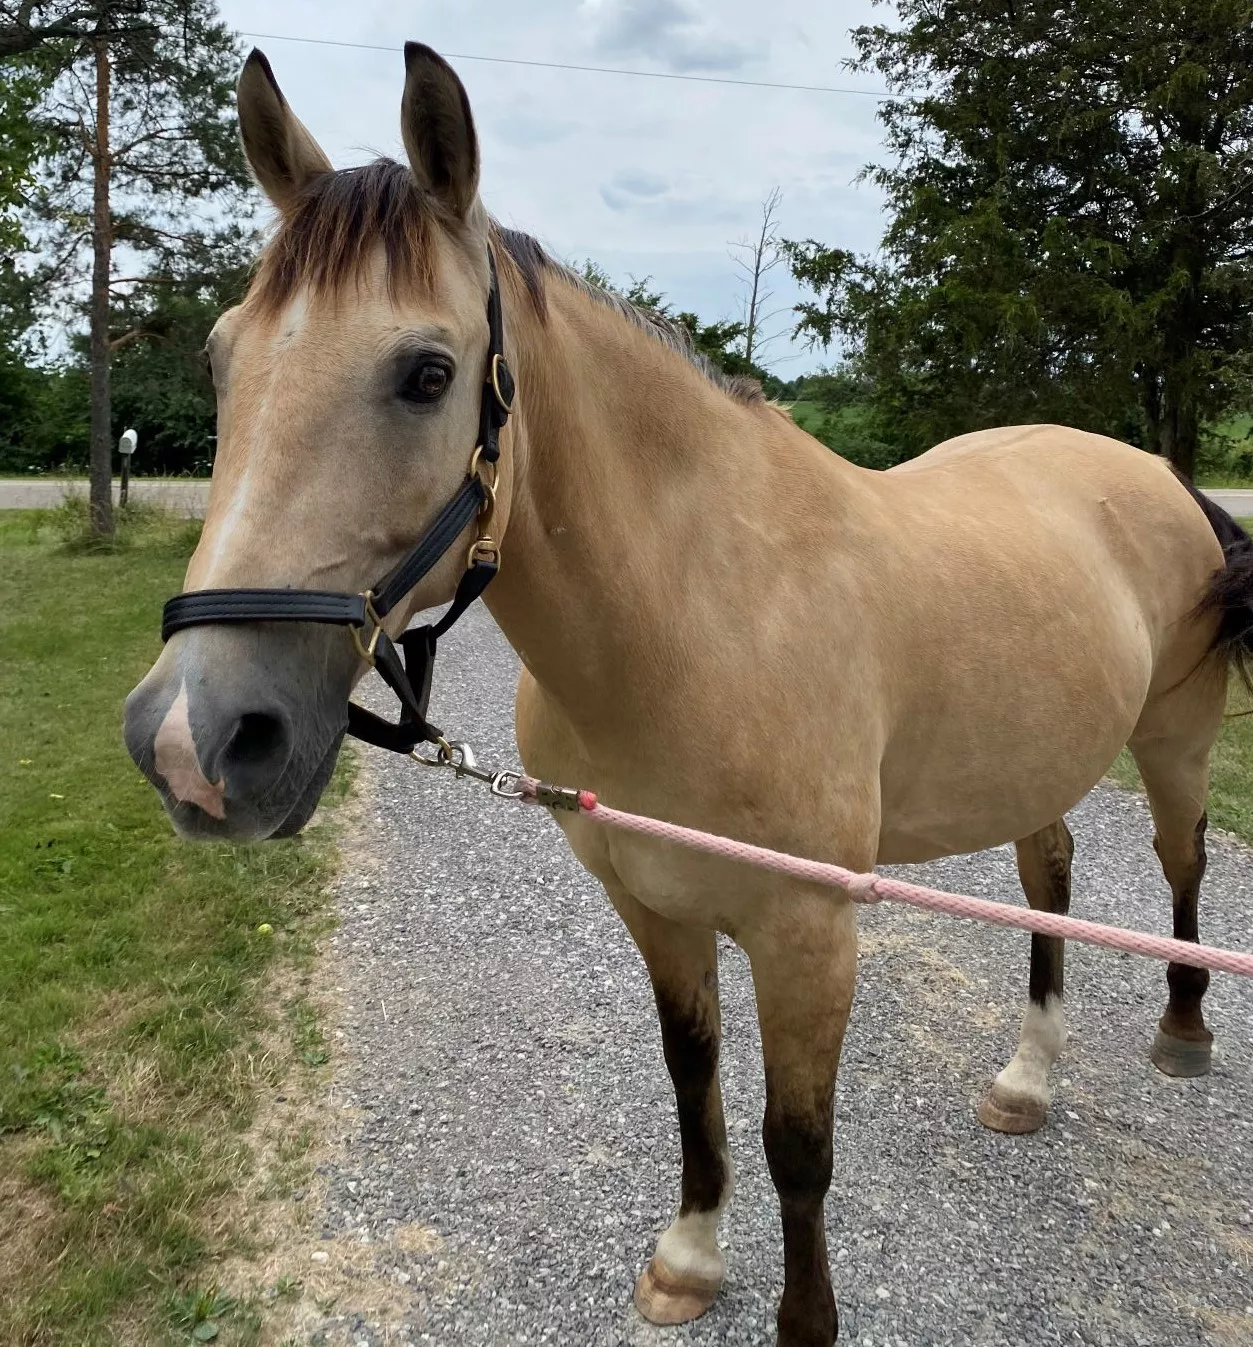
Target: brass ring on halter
444, 754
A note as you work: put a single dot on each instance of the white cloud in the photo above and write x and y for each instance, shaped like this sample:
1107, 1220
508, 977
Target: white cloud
647, 176
674, 33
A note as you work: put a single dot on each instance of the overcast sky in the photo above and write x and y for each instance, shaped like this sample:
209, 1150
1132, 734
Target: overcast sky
650, 177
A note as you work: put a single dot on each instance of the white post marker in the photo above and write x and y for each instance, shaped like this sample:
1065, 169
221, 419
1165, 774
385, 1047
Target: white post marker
126, 447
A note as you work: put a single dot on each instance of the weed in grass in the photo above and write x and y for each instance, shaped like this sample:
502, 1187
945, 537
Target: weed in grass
197, 1312
136, 525
307, 1034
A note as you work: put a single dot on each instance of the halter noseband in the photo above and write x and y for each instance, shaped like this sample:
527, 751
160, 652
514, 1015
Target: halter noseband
410, 677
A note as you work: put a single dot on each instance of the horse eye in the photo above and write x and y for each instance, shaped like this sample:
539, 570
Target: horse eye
426, 382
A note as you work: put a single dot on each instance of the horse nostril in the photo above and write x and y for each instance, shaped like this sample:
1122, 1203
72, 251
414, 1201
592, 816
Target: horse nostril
257, 738
257, 753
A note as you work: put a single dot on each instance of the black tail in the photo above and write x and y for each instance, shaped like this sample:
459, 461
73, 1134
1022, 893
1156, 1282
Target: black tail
1230, 591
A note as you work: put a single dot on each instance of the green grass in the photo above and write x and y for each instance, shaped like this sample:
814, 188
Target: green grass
1231, 772
134, 1032
1231, 764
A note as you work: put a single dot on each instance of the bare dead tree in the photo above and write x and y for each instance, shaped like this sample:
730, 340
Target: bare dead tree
756, 258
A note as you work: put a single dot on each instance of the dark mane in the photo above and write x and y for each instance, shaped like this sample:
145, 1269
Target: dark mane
536, 265
326, 242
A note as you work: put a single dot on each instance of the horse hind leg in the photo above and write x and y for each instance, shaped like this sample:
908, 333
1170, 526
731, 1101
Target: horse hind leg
1019, 1097
1176, 779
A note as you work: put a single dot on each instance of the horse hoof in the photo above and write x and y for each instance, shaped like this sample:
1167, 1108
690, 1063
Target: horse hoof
1180, 1056
664, 1298
1014, 1114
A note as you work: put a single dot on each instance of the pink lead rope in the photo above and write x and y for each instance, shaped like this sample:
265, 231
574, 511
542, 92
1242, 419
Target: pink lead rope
872, 888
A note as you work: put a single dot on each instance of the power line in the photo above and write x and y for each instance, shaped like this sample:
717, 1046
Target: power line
589, 69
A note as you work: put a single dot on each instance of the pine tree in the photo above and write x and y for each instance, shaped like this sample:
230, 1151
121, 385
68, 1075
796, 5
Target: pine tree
146, 182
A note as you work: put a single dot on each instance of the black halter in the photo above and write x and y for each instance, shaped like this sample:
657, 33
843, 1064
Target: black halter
410, 678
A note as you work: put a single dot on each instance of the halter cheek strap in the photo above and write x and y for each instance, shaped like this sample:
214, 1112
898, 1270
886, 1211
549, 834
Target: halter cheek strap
406, 664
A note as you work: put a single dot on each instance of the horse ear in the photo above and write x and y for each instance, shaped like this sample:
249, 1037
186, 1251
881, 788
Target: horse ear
282, 154
438, 130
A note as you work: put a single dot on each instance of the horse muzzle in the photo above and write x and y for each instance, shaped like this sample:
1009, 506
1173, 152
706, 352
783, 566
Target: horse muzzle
235, 734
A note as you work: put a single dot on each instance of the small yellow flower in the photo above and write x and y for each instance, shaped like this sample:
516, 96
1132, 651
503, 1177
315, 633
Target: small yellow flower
25, 762
52, 795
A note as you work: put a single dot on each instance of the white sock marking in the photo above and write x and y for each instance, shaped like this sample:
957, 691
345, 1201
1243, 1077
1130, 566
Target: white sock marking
1040, 1045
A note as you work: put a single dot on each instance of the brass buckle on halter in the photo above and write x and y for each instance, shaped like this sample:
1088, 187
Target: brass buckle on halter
483, 549
493, 378
366, 651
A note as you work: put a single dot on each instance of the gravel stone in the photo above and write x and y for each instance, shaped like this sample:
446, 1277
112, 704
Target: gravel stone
500, 1039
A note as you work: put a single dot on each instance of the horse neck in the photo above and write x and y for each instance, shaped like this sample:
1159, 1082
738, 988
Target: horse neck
637, 483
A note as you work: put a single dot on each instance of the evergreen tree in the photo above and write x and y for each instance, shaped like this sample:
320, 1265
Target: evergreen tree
1071, 232
146, 180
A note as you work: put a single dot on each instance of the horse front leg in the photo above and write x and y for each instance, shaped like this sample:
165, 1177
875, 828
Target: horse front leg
804, 967
685, 1272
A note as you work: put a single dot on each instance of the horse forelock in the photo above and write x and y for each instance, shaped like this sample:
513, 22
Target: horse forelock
329, 239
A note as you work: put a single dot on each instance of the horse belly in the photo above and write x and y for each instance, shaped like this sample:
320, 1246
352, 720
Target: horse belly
977, 774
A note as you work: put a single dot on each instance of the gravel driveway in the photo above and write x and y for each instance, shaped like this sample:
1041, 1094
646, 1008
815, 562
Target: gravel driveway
501, 1043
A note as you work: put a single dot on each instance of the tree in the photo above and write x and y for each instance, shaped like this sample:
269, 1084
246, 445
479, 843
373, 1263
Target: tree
22, 84
1071, 220
28, 24
22, 142
757, 258
594, 274
143, 117
158, 382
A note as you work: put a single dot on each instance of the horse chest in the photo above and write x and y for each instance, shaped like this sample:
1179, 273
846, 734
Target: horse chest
685, 886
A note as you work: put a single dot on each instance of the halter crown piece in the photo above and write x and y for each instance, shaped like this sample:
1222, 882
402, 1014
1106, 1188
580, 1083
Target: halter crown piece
409, 678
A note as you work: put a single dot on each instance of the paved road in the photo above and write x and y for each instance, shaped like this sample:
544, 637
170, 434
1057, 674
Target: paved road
186, 497
1238, 503
518, 1153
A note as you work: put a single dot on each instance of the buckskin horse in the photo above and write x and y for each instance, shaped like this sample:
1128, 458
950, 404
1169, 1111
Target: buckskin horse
696, 589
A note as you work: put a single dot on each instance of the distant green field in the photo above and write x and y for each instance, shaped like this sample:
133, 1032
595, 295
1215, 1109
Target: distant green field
807, 415
1229, 465
847, 431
